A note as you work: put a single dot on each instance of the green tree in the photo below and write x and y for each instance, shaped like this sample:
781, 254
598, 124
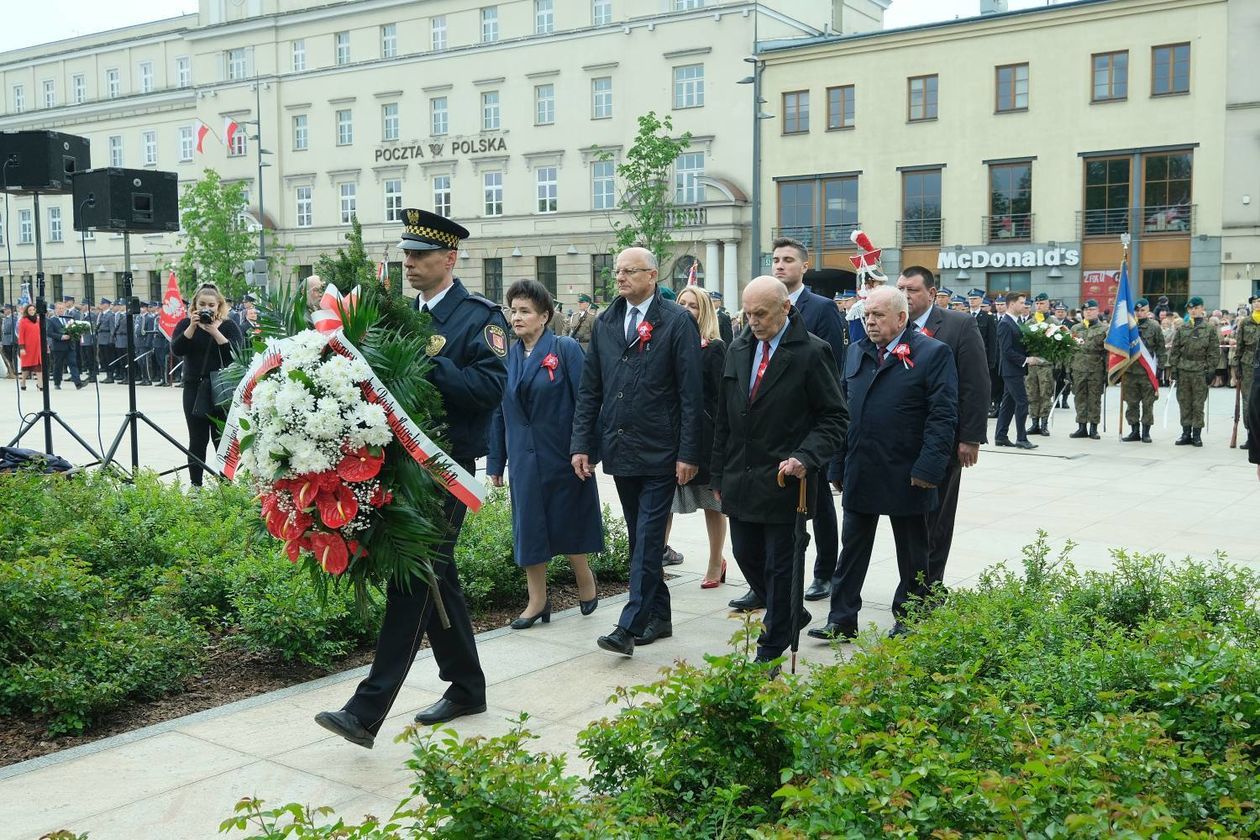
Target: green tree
215, 238
351, 266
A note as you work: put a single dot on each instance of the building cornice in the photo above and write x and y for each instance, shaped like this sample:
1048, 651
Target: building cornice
101, 109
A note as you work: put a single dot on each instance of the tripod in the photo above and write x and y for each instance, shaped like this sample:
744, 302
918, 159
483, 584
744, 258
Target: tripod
45, 414
134, 416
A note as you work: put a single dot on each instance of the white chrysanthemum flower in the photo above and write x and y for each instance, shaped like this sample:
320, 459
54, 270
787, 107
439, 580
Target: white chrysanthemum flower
1058, 337
293, 398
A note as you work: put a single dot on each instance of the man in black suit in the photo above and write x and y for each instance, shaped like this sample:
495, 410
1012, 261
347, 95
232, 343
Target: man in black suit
780, 411
725, 332
902, 388
791, 261
960, 332
986, 324
1012, 361
1253, 417
639, 409
64, 347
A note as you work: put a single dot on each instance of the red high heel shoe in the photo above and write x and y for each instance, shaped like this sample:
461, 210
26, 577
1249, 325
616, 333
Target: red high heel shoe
714, 584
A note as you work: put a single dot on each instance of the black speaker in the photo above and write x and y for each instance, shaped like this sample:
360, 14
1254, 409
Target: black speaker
42, 161
126, 200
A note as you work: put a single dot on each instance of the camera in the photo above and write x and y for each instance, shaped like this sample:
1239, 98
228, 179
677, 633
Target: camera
205, 316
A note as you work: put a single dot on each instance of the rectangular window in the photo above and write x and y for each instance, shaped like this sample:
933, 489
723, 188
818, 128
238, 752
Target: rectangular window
239, 145
492, 272
183, 72
840, 211
437, 33
345, 128
601, 12
185, 143
689, 86
1170, 69
1106, 197
545, 272
603, 185
840, 107
19, 99
148, 140
393, 199
297, 60
489, 24
601, 98
78, 88
54, 224
544, 17
688, 169
237, 64
1174, 283
1111, 76
547, 190
442, 195
301, 133
798, 211
686, 5
389, 121
389, 40
1010, 203
544, 104
113, 83
26, 227
348, 193
490, 111
146, 77
439, 118
341, 47
1012, 88
1166, 201
922, 98
601, 270
305, 206
115, 150
492, 189
796, 112
921, 207
50, 93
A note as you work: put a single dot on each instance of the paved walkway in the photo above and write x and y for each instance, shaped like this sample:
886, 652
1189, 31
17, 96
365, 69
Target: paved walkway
181, 778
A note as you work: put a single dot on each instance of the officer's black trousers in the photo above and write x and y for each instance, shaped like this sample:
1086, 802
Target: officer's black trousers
826, 532
941, 522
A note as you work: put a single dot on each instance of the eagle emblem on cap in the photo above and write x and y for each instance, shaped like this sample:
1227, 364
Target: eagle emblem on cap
413, 217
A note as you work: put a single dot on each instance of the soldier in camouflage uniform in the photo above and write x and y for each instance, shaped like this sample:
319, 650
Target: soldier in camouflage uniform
1139, 393
1089, 371
1039, 379
581, 323
1196, 347
1242, 357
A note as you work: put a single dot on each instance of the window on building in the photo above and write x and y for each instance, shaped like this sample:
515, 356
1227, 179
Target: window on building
148, 141
685, 5
544, 104
490, 110
688, 169
297, 60
115, 150
341, 47
19, 99
922, 98
489, 24
183, 72
840, 107
393, 200
1111, 76
305, 206
1170, 69
601, 271
492, 189
548, 189
1166, 196
1007, 281
113, 83
603, 185
389, 121
345, 127
1173, 282
442, 195
492, 272
601, 98
437, 33
921, 207
146, 76
439, 118
78, 88
26, 227
185, 143
798, 211
545, 272
1010, 202
348, 194
54, 226
240, 143
301, 133
819, 211
601, 12
544, 17
389, 40
237, 64
689, 86
840, 210
796, 112
1106, 197
1012, 88
50, 93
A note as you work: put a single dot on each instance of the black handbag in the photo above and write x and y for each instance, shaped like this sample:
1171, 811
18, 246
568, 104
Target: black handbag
213, 390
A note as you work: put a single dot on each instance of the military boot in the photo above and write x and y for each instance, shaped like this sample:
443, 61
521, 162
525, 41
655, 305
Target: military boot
1146, 433
1133, 435
1035, 427
1093, 431
1184, 440
1081, 431
1044, 428
1197, 440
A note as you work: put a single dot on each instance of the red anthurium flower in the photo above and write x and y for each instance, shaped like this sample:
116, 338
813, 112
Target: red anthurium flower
294, 547
361, 464
380, 497
336, 510
645, 334
330, 551
305, 491
551, 362
902, 352
295, 525
357, 550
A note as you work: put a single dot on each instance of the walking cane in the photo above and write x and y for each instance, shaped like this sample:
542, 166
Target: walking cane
800, 544
1233, 437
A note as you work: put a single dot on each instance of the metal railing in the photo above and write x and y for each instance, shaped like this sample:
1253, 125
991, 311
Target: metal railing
1011, 227
920, 232
1155, 220
828, 237
1175, 219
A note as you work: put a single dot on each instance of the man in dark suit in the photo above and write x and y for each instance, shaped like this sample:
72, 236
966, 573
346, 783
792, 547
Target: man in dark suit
639, 409
986, 324
960, 332
791, 261
902, 388
105, 340
64, 347
780, 411
725, 331
1012, 361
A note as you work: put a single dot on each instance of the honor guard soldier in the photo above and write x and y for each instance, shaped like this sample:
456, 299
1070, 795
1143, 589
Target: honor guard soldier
1139, 391
144, 352
124, 366
87, 343
582, 322
1062, 382
105, 339
467, 353
1040, 378
1196, 347
1242, 357
1089, 371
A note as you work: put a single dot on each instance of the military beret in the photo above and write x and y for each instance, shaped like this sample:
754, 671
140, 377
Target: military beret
1091, 304
1195, 301
1041, 296
1140, 302
975, 293
1253, 298
668, 293
105, 302
585, 299
425, 231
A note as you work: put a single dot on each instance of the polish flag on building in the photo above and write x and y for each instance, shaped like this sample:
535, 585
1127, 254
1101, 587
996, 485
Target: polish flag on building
230, 127
200, 130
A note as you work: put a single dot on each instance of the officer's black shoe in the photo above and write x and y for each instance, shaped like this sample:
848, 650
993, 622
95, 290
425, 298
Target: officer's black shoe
1081, 431
1184, 440
1146, 433
993, 412
444, 710
347, 726
618, 641
1197, 440
1133, 435
747, 602
767, 659
1035, 428
833, 632
1024, 444
1002, 441
1093, 431
818, 590
656, 629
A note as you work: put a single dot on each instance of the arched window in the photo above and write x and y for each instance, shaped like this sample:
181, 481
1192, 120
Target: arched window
681, 271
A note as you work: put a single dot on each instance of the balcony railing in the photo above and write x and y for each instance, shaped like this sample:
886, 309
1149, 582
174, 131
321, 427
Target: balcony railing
1012, 227
920, 232
1159, 220
1171, 219
687, 216
828, 237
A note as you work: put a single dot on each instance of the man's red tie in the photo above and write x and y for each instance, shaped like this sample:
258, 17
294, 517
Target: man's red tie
883, 354
761, 369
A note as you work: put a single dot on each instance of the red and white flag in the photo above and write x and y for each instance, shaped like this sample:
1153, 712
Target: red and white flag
382, 274
200, 130
173, 310
691, 273
230, 127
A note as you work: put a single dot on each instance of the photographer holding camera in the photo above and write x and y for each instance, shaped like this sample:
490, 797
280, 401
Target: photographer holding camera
205, 340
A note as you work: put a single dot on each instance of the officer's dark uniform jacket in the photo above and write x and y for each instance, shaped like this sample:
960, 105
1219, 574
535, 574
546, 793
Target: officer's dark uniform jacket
639, 407
469, 370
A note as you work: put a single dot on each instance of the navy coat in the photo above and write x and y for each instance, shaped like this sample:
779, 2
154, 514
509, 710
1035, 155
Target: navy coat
553, 511
902, 422
1012, 358
823, 320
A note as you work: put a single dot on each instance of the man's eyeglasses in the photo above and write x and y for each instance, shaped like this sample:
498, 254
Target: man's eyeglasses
621, 271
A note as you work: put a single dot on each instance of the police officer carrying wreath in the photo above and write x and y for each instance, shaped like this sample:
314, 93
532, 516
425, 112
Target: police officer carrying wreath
467, 353
1196, 347
1139, 391
1089, 371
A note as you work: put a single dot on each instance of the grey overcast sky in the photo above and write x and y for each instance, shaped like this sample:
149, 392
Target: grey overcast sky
53, 20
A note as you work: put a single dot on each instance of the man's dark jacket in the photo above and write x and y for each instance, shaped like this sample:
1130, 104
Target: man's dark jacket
799, 412
1011, 355
823, 320
960, 332
987, 325
639, 406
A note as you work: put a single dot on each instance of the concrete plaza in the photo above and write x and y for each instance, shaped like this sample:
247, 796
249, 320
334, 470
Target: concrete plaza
179, 779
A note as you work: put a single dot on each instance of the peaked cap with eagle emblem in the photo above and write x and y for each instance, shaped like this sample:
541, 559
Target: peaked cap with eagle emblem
425, 231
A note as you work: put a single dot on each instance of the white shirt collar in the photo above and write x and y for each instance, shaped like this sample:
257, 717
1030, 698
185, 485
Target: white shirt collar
922, 319
436, 299
795, 296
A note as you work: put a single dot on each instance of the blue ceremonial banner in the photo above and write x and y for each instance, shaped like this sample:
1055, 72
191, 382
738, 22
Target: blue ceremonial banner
1124, 341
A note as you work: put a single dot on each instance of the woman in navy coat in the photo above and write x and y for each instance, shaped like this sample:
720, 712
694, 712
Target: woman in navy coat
553, 511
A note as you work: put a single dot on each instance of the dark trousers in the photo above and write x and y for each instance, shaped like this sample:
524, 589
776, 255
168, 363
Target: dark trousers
10, 358
124, 367
764, 555
858, 539
409, 615
200, 433
106, 353
941, 522
90, 361
645, 502
826, 531
61, 360
1014, 404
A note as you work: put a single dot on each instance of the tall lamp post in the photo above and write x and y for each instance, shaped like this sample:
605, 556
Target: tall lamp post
758, 115
257, 138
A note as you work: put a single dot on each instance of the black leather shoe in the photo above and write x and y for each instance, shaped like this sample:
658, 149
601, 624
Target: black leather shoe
523, 623
747, 602
766, 659
1002, 442
1134, 434
347, 726
618, 641
818, 590
1081, 431
1184, 440
833, 632
444, 710
656, 629
671, 557
1024, 444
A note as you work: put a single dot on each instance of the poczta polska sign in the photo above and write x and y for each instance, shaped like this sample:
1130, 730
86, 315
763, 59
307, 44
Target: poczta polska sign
434, 151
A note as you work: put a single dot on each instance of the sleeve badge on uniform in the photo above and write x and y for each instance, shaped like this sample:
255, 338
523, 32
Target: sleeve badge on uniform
435, 345
496, 338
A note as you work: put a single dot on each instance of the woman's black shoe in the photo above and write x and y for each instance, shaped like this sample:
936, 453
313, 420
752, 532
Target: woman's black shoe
524, 623
588, 607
